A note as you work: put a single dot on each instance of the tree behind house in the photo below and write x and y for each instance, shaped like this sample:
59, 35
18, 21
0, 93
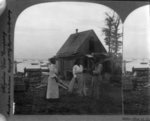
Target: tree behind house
112, 33
112, 36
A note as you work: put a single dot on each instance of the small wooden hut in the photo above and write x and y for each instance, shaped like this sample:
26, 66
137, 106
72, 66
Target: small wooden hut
77, 45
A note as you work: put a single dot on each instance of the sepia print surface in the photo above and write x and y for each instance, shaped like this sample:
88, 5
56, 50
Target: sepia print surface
74, 58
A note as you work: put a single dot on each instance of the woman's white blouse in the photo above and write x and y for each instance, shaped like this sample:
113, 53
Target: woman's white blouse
77, 69
52, 70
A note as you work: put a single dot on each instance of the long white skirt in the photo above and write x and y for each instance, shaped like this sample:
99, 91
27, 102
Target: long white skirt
71, 84
52, 89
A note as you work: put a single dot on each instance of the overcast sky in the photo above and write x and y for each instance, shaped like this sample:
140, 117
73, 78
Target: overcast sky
137, 34
42, 29
2, 6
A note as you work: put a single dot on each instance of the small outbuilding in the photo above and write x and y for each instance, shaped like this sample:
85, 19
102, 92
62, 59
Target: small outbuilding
76, 46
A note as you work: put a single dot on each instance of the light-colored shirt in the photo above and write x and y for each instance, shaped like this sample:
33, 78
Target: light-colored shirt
98, 69
77, 69
52, 70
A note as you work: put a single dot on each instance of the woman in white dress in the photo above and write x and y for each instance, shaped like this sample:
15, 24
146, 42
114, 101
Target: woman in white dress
77, 70
52, 86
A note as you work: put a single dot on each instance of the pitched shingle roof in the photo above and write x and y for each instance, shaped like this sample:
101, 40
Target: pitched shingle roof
73, 44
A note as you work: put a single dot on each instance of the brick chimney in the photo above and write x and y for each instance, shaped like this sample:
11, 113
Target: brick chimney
76, 31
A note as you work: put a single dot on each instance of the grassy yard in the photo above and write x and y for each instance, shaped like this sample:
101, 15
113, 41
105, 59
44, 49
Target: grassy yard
33, 102
136, 102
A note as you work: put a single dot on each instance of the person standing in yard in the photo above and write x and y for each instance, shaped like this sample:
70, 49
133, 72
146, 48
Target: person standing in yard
77, 70
52, 85
97, 79
134, 81
81, 81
